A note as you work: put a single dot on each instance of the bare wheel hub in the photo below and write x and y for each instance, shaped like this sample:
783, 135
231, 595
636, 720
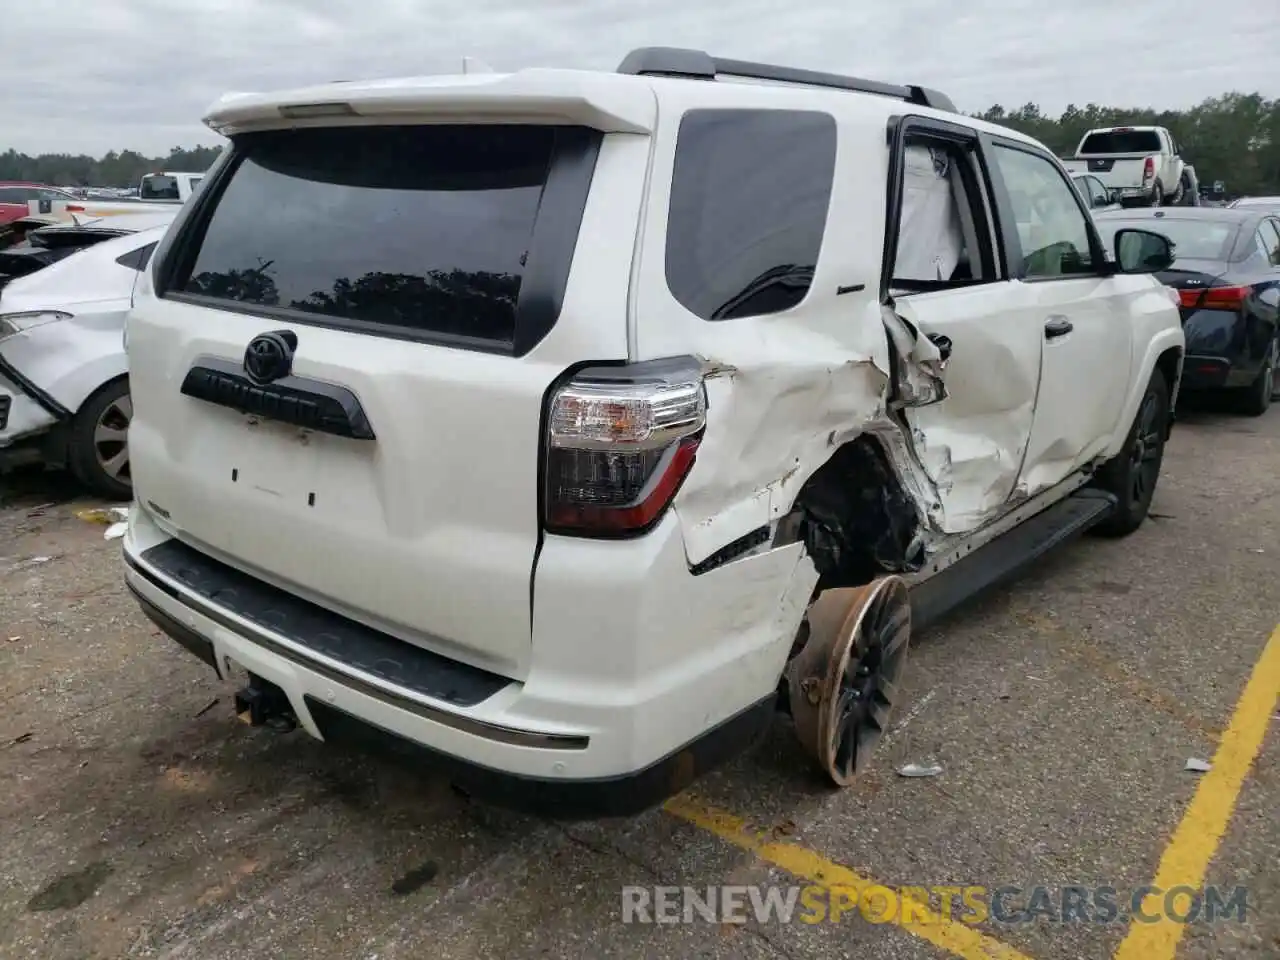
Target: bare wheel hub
844, 681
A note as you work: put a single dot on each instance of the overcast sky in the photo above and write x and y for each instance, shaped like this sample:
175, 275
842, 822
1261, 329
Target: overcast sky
92, 75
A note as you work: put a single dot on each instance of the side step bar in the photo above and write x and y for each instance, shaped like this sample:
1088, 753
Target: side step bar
1002, 558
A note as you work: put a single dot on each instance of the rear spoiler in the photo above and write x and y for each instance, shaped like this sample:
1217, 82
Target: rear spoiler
606, 102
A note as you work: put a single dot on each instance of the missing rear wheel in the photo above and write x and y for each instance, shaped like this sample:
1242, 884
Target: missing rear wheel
844, 682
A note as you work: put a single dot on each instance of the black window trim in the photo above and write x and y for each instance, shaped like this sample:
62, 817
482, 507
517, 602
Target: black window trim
139, 257
1101, 262
910, 126
552, 246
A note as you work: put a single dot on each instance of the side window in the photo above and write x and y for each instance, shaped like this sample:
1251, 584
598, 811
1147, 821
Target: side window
137, 259
944, 237
749, 197
1052, 228
1271, 233
12, 195
1260, 243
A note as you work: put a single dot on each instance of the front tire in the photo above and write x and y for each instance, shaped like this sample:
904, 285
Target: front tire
98, 443
1132, 474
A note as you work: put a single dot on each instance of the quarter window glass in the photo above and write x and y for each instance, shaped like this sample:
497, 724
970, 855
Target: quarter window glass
749, 197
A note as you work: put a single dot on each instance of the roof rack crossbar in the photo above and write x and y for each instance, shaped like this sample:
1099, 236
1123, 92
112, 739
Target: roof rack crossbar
700, 65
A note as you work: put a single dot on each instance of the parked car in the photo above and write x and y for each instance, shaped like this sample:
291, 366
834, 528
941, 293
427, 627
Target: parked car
1143, 164
166, 191
1226, 270
16, 198
64, 393
1095, 195
616, 419
1270, 204
34, 243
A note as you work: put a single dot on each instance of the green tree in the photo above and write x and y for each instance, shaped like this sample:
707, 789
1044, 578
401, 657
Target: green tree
1234, 138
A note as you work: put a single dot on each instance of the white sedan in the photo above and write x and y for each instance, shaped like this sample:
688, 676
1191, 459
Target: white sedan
64, 387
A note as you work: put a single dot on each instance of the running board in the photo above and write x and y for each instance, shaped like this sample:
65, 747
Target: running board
1002, 558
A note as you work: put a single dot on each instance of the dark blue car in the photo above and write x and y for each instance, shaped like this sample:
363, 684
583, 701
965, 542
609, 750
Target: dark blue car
1227, 274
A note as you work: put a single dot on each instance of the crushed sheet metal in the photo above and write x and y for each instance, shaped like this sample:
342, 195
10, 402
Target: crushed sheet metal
972, 448
778, 405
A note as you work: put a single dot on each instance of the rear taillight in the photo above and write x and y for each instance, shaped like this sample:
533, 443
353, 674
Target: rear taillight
74, 208
1149, 169
1214, 298
620, 442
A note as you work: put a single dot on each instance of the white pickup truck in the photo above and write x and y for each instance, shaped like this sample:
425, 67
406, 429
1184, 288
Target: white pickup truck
164, 189
1141, 164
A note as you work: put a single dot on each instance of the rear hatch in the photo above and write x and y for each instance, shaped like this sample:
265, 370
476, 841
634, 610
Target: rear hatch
430, 282
1117, 171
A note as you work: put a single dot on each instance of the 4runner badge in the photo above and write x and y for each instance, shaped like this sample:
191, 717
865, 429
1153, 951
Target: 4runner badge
269, 356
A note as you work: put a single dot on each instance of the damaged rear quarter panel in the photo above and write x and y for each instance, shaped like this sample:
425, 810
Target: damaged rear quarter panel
785, 389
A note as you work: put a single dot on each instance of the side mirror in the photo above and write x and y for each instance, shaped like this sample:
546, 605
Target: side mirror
1141, 251
1102, 200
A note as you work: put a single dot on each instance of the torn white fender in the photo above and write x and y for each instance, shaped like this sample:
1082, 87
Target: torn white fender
778, 406
920, 363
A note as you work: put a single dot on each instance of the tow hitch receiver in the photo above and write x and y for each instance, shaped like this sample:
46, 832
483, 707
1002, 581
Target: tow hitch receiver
844, 681
263, 703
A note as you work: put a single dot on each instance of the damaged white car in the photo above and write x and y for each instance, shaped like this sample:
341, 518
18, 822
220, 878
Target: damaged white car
64, 392
631, 409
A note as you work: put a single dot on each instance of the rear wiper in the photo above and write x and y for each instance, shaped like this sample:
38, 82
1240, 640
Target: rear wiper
785, 275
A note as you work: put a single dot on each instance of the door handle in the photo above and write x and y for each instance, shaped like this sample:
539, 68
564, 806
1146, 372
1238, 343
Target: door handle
1057, 326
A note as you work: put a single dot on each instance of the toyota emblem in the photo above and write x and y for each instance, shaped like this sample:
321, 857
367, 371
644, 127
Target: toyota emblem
269, 356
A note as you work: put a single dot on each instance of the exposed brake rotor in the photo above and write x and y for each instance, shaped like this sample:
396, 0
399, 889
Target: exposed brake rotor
844, 682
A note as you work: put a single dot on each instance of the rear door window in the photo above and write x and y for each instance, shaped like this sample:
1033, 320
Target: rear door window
749, 198
158, 187
420, 232
1122, 141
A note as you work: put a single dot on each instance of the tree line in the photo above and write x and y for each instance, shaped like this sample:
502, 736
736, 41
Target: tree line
123, 169
1234, 138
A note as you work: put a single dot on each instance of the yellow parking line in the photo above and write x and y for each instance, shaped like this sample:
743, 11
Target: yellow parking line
1197, 837
957, 938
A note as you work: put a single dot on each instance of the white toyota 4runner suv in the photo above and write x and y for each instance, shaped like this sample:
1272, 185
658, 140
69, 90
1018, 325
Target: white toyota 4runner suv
565, 426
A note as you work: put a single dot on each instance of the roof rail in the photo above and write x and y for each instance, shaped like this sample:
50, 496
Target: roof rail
700, 65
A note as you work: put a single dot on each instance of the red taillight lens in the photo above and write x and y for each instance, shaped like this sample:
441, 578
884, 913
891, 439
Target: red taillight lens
620, 442
1214, 298
74, 208
1149, 168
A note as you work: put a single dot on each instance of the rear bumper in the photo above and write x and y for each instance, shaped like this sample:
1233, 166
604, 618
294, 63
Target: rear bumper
1216, 350
1206, 373
616, 714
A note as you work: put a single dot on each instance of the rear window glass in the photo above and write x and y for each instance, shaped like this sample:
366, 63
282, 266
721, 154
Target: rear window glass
1192, 239
1126, 141
749, 197
424, 228
158, 188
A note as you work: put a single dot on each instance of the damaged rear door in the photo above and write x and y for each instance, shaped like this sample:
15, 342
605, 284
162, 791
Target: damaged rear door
954, 315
